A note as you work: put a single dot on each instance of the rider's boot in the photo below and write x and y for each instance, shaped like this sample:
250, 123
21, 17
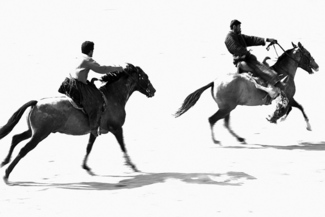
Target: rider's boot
281, 108
239, 70
94, 121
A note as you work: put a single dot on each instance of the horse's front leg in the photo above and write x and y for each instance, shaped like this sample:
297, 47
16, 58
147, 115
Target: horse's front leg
294, 103
118, 133
91, 141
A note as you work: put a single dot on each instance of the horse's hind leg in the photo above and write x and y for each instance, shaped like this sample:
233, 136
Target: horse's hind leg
240, 139
23, 152
220, 114
118, 133
16, 139
91, 141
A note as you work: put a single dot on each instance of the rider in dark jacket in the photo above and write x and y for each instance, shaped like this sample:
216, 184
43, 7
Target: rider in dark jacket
237, 44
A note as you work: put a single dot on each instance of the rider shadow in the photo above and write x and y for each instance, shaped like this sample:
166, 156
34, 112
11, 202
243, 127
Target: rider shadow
304, 146
146, 179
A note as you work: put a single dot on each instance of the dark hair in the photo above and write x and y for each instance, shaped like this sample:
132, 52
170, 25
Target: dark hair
234, 22
87, 46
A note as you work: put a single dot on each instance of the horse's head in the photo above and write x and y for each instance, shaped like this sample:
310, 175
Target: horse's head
143, 84
305, 60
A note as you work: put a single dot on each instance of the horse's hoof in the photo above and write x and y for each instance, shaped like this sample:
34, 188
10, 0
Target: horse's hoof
308, 127
5, 162
136, 170
91, 173
85, 167
5, 179
132, 167
242, 140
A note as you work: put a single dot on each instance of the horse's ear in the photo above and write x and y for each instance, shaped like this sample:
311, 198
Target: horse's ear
130, 65
295, 46
300, 45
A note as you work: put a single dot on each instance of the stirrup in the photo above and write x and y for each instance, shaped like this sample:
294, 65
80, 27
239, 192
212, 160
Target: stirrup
99, 131
284, 78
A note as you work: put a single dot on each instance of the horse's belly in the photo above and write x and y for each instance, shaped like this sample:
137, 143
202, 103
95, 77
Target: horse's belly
76, 124
253, 98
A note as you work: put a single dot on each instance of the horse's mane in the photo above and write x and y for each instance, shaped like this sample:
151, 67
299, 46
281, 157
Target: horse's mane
281, 58
112, 77
284, 55
115, 76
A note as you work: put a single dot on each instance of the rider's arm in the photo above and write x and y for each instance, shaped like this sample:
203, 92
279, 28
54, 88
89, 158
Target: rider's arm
253, 40
93, 65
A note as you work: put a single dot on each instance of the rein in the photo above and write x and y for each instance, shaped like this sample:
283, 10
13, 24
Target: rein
300, 63
131, 78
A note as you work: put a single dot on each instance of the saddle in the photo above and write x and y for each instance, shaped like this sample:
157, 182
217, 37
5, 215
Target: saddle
70, 89
259, 81
78, 107
75, 105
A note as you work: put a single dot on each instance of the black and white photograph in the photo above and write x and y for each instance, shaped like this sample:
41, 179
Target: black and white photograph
162, 108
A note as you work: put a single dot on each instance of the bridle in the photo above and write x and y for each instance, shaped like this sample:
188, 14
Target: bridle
304, 62
140, 77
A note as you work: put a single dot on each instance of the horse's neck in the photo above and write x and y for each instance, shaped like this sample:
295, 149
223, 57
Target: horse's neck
286, 66
120, 90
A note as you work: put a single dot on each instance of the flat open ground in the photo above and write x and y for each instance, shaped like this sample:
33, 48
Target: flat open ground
180, 45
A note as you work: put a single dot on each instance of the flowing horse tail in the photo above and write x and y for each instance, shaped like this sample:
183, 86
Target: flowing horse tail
7, 128
192, 99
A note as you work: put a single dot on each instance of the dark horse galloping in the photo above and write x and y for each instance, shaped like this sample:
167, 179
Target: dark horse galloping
237, 89
56, 114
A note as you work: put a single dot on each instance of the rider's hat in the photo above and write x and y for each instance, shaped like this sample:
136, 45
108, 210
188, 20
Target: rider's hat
234, 22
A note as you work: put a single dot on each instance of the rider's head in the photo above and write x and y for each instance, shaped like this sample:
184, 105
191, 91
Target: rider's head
235, 26
87, 48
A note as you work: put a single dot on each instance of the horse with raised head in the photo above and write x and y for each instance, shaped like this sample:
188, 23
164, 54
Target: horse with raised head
238, 89
57, 114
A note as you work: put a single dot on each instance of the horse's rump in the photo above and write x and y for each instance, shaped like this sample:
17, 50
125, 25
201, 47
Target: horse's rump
58, 115
238, 89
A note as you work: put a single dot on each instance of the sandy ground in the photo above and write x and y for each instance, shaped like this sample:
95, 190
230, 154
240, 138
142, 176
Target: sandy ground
179, 44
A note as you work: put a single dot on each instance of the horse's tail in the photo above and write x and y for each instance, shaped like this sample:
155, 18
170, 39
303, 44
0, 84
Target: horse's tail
192, 99
6, 129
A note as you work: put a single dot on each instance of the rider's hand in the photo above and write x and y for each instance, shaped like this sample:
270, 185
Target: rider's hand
271, 40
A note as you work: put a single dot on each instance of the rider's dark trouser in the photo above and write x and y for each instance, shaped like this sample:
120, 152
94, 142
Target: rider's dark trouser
271, 77
262, 70
88, 97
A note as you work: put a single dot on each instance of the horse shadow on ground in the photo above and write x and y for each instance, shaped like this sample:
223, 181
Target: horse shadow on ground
146, 179
304, 146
